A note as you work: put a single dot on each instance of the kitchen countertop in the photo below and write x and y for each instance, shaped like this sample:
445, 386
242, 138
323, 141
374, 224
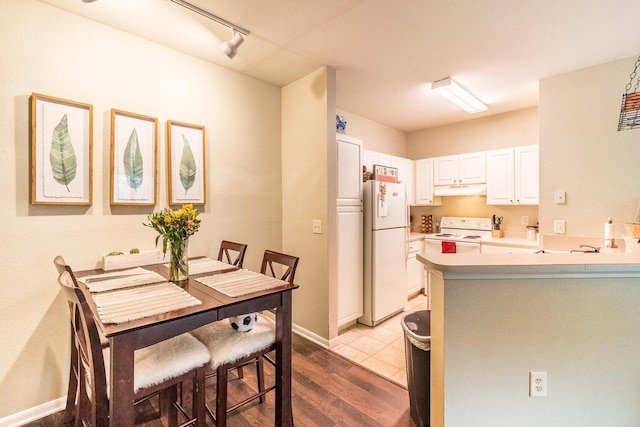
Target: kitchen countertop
512, 242
504, 241
534, 265
413, 236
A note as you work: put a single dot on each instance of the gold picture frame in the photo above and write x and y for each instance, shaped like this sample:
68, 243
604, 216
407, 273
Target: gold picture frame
61, 151
134, 159
186, 163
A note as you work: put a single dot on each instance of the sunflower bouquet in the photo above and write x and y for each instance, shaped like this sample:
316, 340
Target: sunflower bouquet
175, 226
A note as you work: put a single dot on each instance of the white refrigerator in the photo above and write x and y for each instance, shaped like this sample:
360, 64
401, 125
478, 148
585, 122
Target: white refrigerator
386, 236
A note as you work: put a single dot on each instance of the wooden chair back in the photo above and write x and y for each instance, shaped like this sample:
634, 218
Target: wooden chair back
61, 266
275, 261
92, 397
69, 411
232, 253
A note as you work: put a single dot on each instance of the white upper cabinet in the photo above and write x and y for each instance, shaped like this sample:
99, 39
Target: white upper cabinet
370, 158
424, 183
349, 179
406, 175
513, 176
467, 168
527, 175
500, 177
406, 169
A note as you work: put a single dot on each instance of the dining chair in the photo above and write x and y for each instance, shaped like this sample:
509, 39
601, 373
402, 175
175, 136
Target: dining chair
155, 368
232, 253
230, 349
72, 390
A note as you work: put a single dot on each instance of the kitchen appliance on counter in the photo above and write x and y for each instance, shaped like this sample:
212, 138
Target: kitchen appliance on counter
386, 234
458, 235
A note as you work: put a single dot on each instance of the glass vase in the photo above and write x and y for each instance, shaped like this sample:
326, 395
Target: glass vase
178, 260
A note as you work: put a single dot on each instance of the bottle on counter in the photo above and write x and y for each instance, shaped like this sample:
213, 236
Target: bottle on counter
608, 233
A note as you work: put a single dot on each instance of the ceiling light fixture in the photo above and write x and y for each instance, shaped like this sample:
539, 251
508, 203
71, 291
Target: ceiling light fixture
449, 89
229, 47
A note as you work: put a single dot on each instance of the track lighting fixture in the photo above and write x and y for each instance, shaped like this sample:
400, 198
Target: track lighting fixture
230, 47
449, 89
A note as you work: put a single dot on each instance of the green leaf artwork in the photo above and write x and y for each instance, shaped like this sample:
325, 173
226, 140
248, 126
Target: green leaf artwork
133, 165
62, 156
187, 166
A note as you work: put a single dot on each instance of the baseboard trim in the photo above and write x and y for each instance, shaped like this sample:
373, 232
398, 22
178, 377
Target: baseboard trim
35, 413
311, 336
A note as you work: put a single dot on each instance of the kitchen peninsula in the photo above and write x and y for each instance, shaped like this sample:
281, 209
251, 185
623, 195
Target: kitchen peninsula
496, 318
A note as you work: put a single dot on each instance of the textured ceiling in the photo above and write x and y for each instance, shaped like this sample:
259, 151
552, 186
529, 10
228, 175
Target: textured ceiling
387, 53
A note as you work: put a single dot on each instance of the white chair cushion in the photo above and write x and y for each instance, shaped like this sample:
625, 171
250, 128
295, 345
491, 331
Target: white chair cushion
228, 345
165, 360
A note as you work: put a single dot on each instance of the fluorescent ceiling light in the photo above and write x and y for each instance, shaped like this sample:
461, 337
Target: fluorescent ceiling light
449, 89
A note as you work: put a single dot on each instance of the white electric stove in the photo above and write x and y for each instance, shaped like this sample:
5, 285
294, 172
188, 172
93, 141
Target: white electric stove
465, 232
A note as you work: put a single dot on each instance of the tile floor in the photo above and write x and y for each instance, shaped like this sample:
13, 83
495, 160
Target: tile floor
381, 348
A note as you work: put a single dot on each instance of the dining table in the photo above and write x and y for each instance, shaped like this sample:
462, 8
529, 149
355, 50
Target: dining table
209, 304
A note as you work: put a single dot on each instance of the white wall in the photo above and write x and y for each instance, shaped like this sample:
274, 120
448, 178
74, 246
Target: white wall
582, 153
306, 142
505, 130
375, 136
47, 50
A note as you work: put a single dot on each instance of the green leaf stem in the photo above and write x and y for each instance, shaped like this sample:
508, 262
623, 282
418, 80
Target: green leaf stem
133, 165
187, 166
62, 156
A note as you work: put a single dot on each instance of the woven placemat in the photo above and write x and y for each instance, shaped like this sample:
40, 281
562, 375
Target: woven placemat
240, 282
144, 301
120, 279
207, 265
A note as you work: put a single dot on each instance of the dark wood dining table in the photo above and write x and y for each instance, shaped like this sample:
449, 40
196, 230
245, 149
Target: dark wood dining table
125, 338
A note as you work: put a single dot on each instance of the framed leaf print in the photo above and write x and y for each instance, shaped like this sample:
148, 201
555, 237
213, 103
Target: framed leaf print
61, 151
185, 145
134, 158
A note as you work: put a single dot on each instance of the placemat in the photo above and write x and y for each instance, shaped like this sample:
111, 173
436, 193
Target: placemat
240, 282
120, 279
207, 265
131, 304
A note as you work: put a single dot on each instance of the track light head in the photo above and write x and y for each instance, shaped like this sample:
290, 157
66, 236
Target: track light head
230, 47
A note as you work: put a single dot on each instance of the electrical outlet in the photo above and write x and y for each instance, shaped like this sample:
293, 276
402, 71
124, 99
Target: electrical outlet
317, 226
537, 384
524, 220
559, 226
559, 197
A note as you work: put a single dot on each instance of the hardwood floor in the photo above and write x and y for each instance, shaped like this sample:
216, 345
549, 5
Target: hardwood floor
328, 390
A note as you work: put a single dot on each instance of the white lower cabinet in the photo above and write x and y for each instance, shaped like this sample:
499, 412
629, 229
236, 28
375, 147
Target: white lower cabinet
350, 264
415, 269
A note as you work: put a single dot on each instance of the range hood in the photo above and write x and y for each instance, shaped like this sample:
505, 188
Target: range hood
460, 190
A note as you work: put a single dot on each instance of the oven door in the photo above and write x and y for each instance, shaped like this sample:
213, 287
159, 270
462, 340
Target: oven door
434, 246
